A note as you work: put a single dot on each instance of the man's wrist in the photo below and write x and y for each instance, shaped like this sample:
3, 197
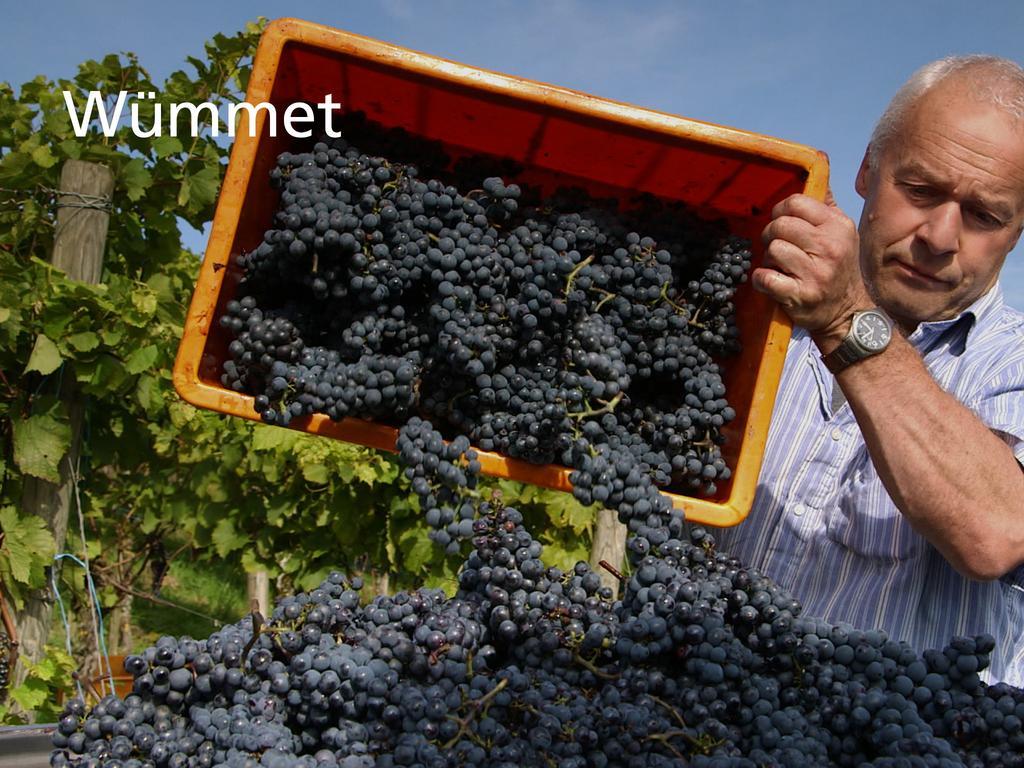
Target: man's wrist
870, 333
832, 336
829, 337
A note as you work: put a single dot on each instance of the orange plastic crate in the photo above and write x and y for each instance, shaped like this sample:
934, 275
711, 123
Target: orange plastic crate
561, 137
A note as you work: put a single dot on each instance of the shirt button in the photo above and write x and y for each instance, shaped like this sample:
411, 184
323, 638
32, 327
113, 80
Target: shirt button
837, 433
799, 509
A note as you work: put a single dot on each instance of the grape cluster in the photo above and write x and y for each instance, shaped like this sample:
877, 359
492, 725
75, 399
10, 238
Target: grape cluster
442, 475
525, 324
5, 663
702, 662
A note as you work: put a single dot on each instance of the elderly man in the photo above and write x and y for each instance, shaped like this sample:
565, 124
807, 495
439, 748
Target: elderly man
892, 493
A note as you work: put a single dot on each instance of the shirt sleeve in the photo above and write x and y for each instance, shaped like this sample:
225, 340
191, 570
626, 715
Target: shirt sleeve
1001, 407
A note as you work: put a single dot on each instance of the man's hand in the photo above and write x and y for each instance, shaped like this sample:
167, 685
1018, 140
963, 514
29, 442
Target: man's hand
812, 267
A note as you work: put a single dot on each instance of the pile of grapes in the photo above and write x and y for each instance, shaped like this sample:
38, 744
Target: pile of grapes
549, 331
702, 662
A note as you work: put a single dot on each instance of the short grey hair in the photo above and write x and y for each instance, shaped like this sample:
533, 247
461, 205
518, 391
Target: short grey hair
994, 80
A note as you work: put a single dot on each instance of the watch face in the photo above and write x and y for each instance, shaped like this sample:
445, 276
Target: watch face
872, 331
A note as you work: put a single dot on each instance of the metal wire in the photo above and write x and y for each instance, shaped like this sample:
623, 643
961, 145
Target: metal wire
60, 198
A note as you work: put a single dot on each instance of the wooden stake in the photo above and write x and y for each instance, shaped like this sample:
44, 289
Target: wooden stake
78, 246
257, 586
609, 545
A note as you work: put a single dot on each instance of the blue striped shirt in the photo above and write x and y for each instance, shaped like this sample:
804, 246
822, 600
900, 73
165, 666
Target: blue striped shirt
824, 527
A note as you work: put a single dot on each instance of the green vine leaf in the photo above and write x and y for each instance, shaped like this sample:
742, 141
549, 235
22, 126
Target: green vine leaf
200, 189
86, 341
142, 359
38, 694
417, 548
145, 301
227, 538
44, 157
167, 146
45, 357
27, 549
40, 442
266, 438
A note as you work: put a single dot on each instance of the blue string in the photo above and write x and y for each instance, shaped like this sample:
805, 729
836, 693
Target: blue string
67, 627
99, 612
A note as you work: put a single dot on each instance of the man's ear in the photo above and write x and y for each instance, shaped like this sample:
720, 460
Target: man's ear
1016, 237
863, 174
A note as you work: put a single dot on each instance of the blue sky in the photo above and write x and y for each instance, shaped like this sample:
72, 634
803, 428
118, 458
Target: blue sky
809, 71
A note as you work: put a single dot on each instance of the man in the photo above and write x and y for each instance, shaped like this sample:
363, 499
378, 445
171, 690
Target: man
892, 493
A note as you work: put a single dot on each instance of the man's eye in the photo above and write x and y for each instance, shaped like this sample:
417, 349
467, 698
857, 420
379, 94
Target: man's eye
919, 191
986, 219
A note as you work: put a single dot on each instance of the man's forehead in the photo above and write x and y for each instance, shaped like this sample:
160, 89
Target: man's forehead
951, 131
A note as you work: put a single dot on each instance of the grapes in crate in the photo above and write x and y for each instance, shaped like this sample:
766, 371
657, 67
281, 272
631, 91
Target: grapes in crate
526, 324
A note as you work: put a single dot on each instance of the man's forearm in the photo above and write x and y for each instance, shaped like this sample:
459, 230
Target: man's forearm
958, 484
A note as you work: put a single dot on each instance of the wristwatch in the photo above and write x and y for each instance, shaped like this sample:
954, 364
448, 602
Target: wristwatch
870, 333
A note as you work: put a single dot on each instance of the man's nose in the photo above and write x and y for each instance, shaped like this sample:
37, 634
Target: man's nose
941, 229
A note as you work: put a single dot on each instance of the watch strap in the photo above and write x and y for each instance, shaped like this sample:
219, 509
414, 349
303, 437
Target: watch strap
843, 356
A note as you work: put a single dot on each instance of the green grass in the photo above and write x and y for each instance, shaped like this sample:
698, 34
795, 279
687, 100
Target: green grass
215, 590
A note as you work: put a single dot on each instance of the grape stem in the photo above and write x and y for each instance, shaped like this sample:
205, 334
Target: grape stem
677, 307
613, 571
608, 296
78, 678
575, 271
685, 311
257, 627
696, 314
593, 668
664, 737
702, 743
706, 442
672, 710
476, 707
607, 407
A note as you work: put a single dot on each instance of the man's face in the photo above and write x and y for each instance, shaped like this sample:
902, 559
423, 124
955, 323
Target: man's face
943, 206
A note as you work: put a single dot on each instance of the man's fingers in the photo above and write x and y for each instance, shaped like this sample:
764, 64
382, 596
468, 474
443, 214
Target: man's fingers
803, 207
786, 257
791, 229
775, 284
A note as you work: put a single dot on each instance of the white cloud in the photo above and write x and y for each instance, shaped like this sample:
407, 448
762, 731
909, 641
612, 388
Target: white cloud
401, 10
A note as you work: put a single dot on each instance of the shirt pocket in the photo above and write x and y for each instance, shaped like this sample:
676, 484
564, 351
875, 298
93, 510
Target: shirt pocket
866, 521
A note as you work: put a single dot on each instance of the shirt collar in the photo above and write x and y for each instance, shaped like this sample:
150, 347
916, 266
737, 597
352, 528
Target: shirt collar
960, 328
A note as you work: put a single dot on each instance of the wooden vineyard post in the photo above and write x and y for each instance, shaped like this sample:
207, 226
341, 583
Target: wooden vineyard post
257, 585
609, 545
79, 242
